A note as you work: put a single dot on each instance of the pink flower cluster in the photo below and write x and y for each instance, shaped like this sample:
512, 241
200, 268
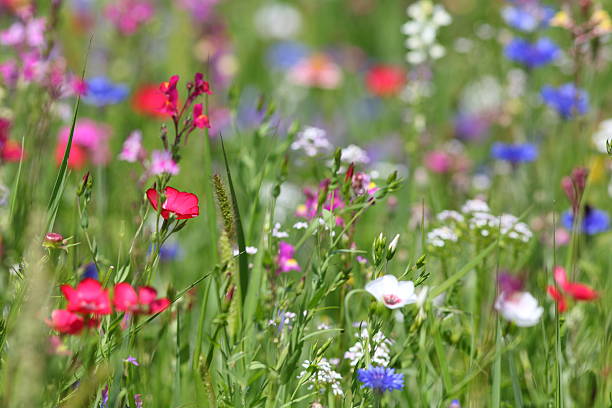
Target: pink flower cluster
285, 258
89, 144
129, 15
310, 208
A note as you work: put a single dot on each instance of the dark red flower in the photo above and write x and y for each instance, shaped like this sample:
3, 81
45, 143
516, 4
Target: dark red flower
200, 85
170, 103
385, 80
89, 297
67, 322
128, 300
577, 291
149, 100
182, 205
200, 120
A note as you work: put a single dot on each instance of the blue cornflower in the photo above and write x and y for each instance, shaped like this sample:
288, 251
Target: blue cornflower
90, 271
170, 251
567, 99
528, 17
101, 92
515, 153
104, 398
532, 55
594, 221
380, 379
284, 55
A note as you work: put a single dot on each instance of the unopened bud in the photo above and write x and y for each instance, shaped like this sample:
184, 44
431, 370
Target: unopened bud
379, 248
392, 247
53, 240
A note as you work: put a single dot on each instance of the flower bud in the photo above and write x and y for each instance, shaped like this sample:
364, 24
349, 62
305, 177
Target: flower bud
53, 240
379, 249
392, 247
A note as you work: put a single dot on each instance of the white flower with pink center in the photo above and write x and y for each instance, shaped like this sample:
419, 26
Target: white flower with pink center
519, 307
393, 293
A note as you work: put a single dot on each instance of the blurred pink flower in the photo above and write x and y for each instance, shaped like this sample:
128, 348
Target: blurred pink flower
90, 138
161, 162
128, 15
317, 71
438, 161
285, 260
132, 148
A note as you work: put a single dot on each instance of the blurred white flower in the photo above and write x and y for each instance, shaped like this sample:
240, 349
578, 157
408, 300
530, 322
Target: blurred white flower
603, 134
393, 293
354, 154
278, 21
519, 307
422, 29
312, 141
379, 344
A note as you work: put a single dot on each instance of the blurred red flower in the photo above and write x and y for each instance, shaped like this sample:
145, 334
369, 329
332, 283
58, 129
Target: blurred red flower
144, 301
89, 297
183, 205
385, 80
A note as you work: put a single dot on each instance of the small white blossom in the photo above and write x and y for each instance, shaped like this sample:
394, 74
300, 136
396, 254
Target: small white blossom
312, 141
379, 344
276, 232
324, 375
300, 225
440, 236
519, 307
354, 154
391, 292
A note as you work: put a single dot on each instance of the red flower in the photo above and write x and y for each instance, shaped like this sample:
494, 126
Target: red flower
200, 85
89, 297
127, 300
183, 205
577, 291
385, 80
199, 119
67, 322
12, 151
148, 100
76, 159
170, 103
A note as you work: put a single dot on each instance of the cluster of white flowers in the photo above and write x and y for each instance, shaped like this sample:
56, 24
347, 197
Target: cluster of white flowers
276, 231
378, 343
312, 141
476, 216
440, 236
278, 21
324, 375
422, 29
354, 154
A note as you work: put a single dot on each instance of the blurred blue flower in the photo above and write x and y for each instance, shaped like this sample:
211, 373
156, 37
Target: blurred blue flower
527, 16
101, 92
594, 221
90, 271
532, 55
454, 404
470, 126
567, 99
284, 55
514, 153
170, 251
380, 379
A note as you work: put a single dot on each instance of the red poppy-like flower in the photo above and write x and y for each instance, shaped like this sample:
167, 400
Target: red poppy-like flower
89, 297
76, 159
385, 80
144, 301
10, 150
577, 291
148, 100
67, 322
200, 120
183, 205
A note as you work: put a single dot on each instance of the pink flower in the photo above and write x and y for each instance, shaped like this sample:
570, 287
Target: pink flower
132, 148
126, 299
14, 35
200, 86
317, 71
170, 103
128, 15
199, 119
161, 162
89, 297
182, 205
90, 142
285, 260
67, 322
438, 161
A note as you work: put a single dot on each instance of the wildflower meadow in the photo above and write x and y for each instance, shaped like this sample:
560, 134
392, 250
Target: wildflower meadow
305, 203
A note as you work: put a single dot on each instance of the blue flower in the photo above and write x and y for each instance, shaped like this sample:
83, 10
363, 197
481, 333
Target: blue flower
101, 92
532, 55
285, 54
528, 17
594, 221
380, 379
514, 153
567, 99
90, 271
170, 251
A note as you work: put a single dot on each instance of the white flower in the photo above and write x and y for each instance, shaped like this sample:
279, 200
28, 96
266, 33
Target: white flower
450, 215
300, 225
312, 141
354, 154
379, 343
324, 375
440, 236
422, 30
519, 307
475, 206
603, 134
276, 232
393, 293
393, 244
278, 20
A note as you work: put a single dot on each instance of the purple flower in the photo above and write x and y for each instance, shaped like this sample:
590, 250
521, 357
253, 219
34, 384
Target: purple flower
380, 379
138, 400
514, 153
528, 16
286, 54
471, 126
567, 99
104, 397
532, 55
285, 260
132, 360
509, 284
454, 404
594, 221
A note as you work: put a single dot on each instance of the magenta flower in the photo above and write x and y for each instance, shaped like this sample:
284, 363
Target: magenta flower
161, 162
285, 260
129, 15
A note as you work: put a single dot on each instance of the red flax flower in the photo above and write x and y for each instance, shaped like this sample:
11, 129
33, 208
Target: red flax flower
200, 120
67, 322
182, 205
144, 301
89, 297
577, 291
